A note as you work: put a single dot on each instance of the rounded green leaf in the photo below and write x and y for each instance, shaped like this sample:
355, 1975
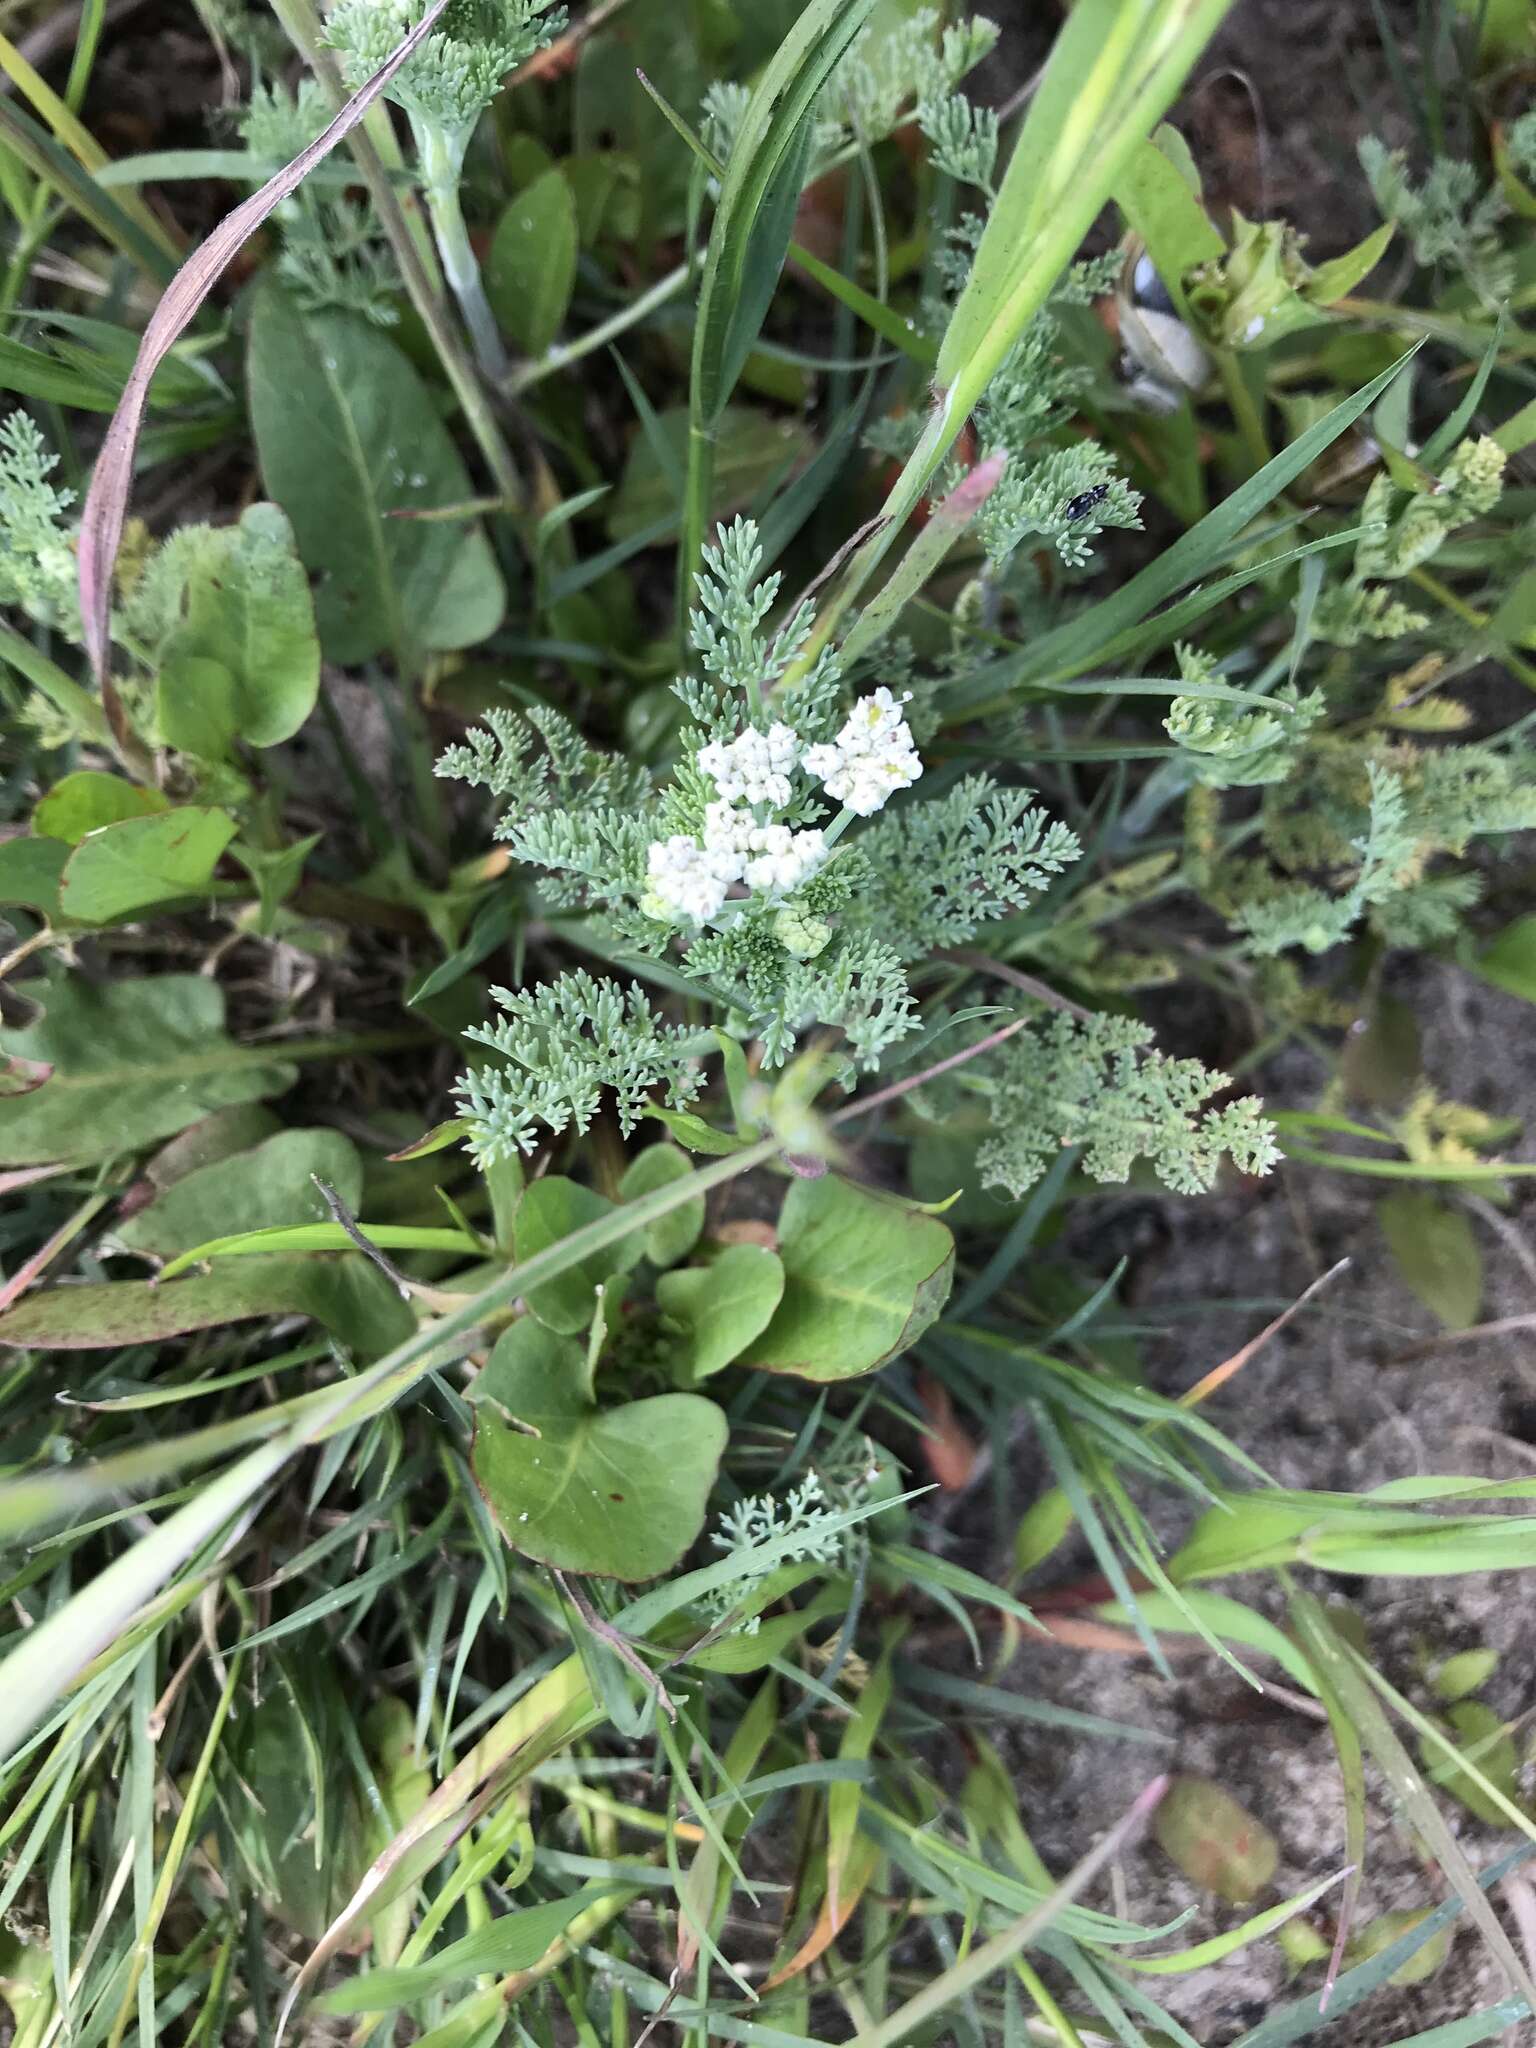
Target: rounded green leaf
132, 1062
620, 1492
721, 1307
532, 266
1437, 1252
29, 873
123, 868
672, 1237
244, 663
197, 706
1215, 1842
88, 799
863, 1279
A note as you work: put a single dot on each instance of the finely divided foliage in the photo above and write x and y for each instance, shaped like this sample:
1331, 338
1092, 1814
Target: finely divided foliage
552, 1085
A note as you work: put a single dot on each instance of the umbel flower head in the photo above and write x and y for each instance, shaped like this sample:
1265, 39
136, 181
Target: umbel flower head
689, 876
730, 867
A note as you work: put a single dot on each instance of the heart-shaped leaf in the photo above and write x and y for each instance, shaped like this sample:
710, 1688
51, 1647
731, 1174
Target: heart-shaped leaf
863, 1279
721, 1307
617, 1491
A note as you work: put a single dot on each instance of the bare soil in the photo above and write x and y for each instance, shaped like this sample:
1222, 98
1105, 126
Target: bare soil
1326, 1405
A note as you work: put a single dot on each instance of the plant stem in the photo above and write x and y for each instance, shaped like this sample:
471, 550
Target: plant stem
556, 359
441, 157
305, 31
1111, 76
1245, 412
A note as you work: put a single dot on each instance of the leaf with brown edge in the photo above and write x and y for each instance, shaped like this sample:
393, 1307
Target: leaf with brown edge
106, 503
864, 1277
835, 1912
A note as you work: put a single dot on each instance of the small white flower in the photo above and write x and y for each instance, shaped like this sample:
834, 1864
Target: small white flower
782, 859
727, 839
872, 757
683, 879
755, 767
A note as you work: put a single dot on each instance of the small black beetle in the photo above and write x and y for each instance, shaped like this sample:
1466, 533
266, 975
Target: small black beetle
1080, 506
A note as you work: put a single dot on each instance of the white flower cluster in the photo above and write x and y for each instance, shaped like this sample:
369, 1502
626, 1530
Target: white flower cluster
755, 767
692, 880
872, 757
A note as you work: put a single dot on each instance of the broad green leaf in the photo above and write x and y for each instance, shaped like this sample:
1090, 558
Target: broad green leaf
133, 1062
1340, 274
1159, 205
349, 1295
1215, 1842
271, 1184
29, 873
619, 1492
755, 217
87, 800
720, 1307
752, 450
863, 1279
250, 617
548, 1211
532, 265
1437, 1253
512, 1942
124, 868
348, 436
239, 1128
1510, 962
675, 1236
